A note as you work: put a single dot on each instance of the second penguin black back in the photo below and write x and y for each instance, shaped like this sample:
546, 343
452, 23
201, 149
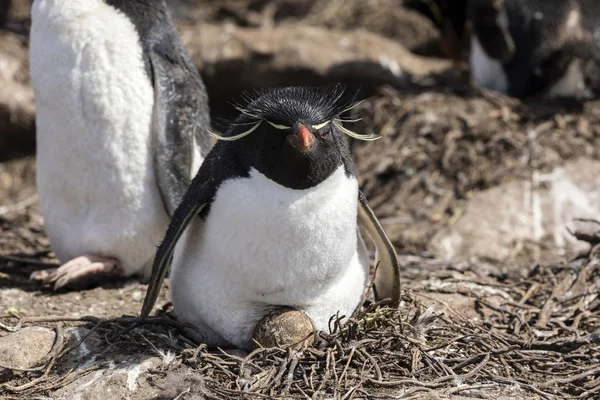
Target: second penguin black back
524, 47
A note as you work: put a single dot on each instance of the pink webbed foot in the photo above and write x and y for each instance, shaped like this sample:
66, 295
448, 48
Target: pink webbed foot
79, 271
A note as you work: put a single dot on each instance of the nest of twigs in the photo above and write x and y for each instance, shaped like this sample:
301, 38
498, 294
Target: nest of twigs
543, 339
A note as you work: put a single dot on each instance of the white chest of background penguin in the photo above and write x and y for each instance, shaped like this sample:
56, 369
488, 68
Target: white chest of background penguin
271, 220
523, 47
120, 112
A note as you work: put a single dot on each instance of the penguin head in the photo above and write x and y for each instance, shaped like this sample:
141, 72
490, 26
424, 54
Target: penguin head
294, 135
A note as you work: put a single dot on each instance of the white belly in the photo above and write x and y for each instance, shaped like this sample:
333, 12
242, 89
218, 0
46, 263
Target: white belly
571, 84
94, 108
486, 71
263, 244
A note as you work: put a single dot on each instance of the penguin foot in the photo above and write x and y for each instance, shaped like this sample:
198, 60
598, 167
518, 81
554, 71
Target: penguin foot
79, 270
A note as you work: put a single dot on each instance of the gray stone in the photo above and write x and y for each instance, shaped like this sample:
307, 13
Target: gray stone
26, 348
255, 58
134, 380
538, 210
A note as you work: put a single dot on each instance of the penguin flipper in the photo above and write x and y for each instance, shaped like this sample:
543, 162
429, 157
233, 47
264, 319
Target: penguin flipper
387, 279
180, 121
195, 199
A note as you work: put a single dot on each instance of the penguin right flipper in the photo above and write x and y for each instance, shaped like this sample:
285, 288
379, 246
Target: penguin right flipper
198, 195
181, 120
387, 279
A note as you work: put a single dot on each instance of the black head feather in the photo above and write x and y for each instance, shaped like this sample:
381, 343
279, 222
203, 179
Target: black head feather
311, 105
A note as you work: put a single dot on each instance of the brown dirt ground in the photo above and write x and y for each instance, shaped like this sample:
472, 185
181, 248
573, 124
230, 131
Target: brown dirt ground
481, 330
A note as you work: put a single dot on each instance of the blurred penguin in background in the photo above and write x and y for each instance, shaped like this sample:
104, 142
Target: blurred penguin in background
122, 119
526, 47
449, 17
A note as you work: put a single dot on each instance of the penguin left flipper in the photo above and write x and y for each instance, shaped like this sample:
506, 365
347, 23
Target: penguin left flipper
180, 110
199, 193
387, 279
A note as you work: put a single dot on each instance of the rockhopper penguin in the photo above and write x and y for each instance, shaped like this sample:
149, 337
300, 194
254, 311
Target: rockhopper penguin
525, 47
270, 220
122, 119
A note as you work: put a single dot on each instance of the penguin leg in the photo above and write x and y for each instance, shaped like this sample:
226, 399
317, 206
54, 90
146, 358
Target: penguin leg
81, 269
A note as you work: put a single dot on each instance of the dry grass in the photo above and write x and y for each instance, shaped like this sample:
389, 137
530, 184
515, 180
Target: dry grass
543, 339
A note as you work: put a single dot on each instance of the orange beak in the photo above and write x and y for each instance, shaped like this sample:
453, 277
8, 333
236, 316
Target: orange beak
304, 140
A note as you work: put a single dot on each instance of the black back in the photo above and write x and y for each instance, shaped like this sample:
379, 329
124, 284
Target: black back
545, 44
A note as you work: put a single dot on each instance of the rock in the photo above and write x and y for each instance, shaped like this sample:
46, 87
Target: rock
26, 348
17, 109
134, 380
233, 58
283, 327
129, 375
497, 220
384, 17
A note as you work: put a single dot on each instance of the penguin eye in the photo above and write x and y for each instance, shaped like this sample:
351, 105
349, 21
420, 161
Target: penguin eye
324, 132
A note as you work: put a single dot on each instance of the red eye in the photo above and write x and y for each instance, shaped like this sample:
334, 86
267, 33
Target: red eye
324, 135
